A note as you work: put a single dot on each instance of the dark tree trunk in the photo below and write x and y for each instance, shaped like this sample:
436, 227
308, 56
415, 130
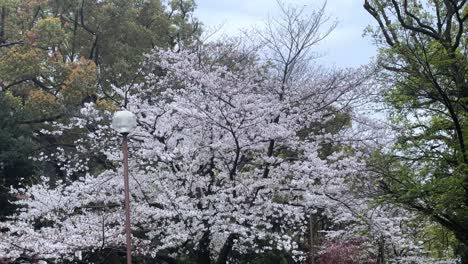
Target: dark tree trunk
227, 248
203, 252
381, 251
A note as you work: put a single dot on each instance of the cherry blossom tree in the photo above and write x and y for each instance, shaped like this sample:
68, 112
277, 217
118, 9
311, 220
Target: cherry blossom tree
205, 179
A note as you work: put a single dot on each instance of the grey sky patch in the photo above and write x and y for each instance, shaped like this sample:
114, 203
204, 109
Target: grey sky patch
345, 47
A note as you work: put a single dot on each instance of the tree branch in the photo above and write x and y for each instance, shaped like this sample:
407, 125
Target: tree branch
403, 23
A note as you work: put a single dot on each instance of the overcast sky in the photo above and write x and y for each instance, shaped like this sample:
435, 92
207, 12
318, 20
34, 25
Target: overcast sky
345, 47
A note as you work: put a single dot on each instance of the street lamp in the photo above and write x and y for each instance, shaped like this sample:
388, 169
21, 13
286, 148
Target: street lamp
124, 122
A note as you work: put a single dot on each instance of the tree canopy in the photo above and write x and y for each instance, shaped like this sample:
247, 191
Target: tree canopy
424, 60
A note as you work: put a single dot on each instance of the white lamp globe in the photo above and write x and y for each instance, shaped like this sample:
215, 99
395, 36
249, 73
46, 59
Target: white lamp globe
124, 121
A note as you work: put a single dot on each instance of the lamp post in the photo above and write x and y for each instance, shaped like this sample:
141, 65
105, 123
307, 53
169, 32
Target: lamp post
124, 122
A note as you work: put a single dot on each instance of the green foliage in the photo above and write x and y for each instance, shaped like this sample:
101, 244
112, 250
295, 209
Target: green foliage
48, 32
71, 49
15, 148
424, 66
333, 126
440, 242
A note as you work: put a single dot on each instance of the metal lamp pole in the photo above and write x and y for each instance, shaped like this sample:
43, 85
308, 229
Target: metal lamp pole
127, 198
124, 122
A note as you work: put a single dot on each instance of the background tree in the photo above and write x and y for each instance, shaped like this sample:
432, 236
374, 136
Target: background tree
16, 147
113, 34
424, 61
